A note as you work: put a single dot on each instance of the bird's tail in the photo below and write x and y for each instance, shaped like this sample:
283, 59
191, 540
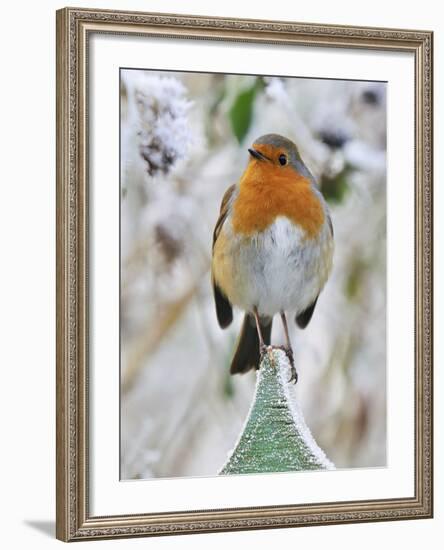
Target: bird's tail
247, 355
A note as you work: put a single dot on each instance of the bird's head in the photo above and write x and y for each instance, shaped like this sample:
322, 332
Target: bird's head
276, 183
277, 155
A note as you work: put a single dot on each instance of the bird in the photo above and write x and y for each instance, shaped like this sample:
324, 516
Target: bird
272, 250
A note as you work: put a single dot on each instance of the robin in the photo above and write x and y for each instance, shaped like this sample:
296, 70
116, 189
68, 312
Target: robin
272, 248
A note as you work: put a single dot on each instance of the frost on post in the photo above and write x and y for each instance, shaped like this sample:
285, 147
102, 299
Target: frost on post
275, 437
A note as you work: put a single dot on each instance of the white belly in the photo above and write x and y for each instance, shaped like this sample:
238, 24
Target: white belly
280, 269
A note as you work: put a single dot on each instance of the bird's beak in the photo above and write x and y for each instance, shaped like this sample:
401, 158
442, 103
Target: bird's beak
257, 154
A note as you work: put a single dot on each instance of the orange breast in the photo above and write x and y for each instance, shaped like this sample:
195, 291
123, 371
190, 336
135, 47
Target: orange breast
267, 192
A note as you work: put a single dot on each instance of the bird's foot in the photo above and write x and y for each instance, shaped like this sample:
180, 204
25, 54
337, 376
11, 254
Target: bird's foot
293, 374
264, 350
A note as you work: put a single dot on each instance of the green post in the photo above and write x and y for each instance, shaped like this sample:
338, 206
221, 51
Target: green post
275, 437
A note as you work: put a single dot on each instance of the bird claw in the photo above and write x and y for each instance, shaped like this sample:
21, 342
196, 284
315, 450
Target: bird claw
263, 350
293, 373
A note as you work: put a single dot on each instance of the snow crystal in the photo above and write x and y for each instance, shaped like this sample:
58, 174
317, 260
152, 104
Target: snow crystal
161, 120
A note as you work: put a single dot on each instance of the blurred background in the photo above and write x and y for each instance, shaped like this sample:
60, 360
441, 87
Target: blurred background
184, 140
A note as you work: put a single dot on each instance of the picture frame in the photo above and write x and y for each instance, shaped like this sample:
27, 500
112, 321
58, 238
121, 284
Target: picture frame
76, 467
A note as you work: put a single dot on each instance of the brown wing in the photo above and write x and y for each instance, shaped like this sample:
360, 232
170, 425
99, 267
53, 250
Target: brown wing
224, 311
330, 225
223, 212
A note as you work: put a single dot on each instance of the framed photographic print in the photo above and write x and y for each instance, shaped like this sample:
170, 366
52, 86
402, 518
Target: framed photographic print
244, 274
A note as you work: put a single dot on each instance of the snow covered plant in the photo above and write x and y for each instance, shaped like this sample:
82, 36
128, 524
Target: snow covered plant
275, 437
161, 123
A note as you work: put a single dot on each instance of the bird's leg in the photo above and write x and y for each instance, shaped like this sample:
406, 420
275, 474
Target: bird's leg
288, 350
262, 346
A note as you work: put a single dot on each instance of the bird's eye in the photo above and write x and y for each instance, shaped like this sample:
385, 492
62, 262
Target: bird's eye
282, 160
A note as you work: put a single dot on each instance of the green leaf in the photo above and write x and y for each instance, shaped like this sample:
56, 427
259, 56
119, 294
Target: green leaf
241, 112
354, 281
335, 189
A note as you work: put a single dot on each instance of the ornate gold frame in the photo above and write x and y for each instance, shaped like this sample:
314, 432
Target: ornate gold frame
73, 519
